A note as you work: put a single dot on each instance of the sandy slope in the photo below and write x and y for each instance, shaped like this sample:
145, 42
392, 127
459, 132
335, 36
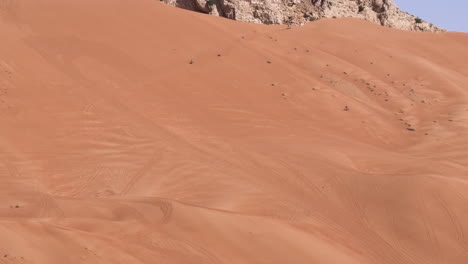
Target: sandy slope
116, 150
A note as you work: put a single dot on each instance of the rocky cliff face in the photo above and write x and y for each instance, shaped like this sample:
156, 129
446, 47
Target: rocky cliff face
298, 12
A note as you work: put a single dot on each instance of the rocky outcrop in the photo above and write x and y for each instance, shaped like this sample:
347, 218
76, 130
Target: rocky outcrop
298, 12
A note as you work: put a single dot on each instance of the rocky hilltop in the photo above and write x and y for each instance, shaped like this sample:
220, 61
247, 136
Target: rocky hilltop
298, 12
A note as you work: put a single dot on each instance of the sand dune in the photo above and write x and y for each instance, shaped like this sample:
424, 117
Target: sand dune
114, 148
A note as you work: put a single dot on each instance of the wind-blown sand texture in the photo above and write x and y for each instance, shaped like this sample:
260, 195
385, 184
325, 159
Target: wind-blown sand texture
115, 149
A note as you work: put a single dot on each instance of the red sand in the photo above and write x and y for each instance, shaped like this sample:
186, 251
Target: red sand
116, 150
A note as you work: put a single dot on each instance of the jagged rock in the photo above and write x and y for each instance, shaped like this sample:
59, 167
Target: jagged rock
298, 12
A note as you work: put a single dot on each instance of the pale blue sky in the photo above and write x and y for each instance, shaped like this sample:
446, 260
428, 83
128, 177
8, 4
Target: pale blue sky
449, 14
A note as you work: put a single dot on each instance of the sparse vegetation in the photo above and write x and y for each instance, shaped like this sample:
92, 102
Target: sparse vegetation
211, 2
418, 20
360, 9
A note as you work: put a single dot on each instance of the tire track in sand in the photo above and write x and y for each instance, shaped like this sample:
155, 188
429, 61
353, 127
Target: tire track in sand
140, 173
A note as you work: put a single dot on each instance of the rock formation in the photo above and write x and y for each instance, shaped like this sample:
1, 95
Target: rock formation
298, 12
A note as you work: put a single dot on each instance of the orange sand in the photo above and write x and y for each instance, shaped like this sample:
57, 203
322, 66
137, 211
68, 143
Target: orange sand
116, 149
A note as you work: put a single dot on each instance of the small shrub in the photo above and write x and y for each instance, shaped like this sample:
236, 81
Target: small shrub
361, 8
211, 2
418, 20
